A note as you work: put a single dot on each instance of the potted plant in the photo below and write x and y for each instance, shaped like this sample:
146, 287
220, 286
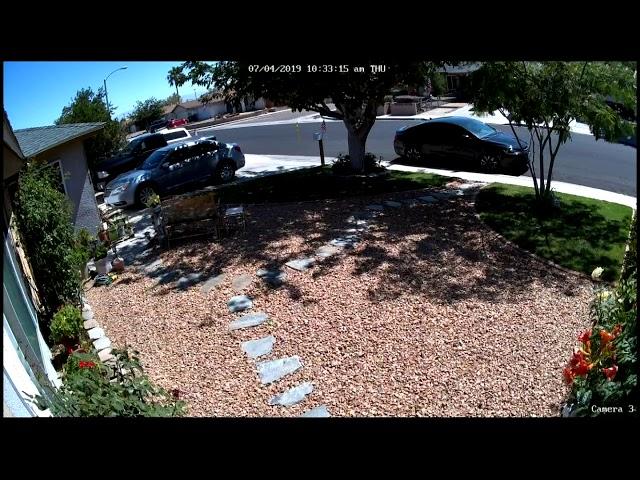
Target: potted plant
102, 262
66, 327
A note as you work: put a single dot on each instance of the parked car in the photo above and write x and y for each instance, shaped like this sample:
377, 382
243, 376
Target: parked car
137, 152
463, 139
176, 167
158, 125
176, 122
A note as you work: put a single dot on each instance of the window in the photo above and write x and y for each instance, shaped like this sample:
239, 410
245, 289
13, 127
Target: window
156, 142
60, 184
174, 135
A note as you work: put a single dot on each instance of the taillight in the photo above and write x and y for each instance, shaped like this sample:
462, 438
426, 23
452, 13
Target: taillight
237, 148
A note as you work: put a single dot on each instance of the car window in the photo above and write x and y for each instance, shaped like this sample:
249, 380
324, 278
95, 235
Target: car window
155, 159
173, 135
156, 141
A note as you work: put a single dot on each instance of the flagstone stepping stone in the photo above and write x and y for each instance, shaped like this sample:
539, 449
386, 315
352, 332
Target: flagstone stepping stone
293, 395
212, 282
326, 251
412, 203
241, 281
87, 315
247, 321
239, 303
89, 324
471, 186
392, 204
86, 308
375, 207
428, 199
168, 277
317, 412
106, 355
273, 370
102, 343
190, 279
301, 264
274, 278
348, 241
152, 267
444, 195
259, 347
95, 333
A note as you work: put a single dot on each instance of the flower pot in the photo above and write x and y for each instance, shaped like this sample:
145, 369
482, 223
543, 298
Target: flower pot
118, 264
103, 235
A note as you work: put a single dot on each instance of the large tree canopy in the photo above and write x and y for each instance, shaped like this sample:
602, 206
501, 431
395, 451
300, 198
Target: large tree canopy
547, 97
355, 95
146, 112
87, 107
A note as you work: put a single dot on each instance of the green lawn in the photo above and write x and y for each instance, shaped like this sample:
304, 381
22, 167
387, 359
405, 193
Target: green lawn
582, 235
320, 183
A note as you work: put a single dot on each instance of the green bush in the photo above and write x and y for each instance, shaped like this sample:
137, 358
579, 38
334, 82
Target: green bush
66, 324
438, 84
630, 264
342, 164
91, 388
101, 252
43, 217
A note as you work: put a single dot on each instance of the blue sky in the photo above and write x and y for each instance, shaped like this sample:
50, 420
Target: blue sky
36, 92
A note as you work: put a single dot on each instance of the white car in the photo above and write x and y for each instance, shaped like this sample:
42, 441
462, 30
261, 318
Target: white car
172, 135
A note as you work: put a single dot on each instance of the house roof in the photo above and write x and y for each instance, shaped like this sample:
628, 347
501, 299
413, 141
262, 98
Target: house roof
9, 137
34, 141
169, 108
465, 67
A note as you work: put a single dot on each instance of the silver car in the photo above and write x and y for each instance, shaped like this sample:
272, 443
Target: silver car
178, 166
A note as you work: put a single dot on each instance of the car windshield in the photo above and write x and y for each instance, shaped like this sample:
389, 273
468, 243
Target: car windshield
154, 159
479, 129
133, 145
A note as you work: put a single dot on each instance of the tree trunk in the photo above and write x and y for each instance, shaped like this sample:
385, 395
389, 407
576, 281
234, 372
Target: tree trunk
357, 142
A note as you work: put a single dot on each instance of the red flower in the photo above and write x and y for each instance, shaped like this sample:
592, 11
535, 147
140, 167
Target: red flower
582, 368
86, 364
69, 350
577, 358
568, 375
617, 330
585, 336
606, 337
610, 372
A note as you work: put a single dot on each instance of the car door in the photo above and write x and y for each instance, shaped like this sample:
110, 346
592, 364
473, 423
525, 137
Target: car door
173, 173
205, 160
460, 144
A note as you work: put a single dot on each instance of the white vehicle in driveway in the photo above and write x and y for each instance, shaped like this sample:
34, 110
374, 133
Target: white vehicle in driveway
173, 135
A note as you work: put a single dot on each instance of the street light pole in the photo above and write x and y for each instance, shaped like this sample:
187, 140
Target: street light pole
106, 96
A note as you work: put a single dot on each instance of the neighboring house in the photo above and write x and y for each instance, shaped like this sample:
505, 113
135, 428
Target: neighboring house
195, 110
458, 73
62, 146
26, 358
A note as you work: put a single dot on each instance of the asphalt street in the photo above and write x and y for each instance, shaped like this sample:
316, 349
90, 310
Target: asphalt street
582, 160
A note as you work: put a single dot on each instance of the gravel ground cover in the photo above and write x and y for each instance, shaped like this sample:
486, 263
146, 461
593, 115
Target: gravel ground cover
431, 315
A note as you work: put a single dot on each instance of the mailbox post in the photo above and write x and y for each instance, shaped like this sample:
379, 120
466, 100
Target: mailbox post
318, 137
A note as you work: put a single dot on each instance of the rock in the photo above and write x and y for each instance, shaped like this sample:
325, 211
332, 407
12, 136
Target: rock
259, 347
212, 282
326, 251
247, 321
293, 395
89, 324
241, 282
273, 370
102, 343
96, 333
105, 355
190, 279
347, 241
317, 412
87, 315
428, 199
375, 207
392, 204
274, 278
152, 267
412, 203
301, 264
239, 303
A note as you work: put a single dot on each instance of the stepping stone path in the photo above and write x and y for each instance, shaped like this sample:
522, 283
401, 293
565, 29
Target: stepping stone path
392, 204
95, 333
293, 395
241, 281
375, 207
212, 282
239, 303
348, 241
89, 324
275, 278
190, 279
301, 264
102, 343
273, 370
258, 348
326, 251
428, 199
317, 412
246, 321
152, 267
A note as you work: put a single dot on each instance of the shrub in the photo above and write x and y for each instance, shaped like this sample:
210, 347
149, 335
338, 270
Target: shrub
91, 388
602, 371
342, 164
66, 324
630, 265
101, 252
43, 217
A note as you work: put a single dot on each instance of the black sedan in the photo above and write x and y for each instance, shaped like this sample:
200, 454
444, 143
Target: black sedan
463, 140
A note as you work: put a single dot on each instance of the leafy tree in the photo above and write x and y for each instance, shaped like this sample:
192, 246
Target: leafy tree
86, 107
172, 100
355, 95
546, 97
146, 112
438, 84
176, 78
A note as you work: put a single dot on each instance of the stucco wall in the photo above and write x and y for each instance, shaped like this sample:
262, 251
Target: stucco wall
78, 184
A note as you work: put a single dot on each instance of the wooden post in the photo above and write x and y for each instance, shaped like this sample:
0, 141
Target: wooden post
321, 152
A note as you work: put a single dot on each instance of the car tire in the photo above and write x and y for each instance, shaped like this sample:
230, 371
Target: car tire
225, 172
489, 162
143, 193
413, 153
